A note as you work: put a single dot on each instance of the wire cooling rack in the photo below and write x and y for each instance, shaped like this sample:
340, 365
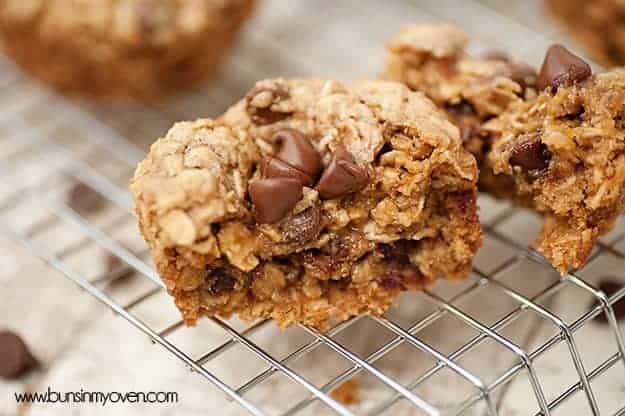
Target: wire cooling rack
484, 340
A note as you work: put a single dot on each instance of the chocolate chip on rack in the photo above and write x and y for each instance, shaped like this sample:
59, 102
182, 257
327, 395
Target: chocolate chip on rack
295, 149
561, 67
84, 199
274, 197
530, 154
15, 357
342, 177
260, 102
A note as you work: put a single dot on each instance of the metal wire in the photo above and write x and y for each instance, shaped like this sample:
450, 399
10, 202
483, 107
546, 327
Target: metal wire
38, 145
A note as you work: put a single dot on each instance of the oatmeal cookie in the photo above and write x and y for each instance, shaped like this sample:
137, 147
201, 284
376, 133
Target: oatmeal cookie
564, 151
309, 200
431, 58
120, 48
598, 24
559, 152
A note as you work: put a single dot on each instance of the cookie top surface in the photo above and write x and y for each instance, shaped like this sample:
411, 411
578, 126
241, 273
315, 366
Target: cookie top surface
432, 58
436, 40
200, 173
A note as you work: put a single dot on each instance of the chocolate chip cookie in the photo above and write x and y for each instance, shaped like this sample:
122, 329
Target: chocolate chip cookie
564, 152
597, 24
129, 48
551, 139
308, 201
431, 58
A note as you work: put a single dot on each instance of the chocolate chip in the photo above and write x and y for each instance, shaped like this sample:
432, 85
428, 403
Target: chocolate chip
561, 67
220, 281
396, 254
464, 200
83, 199
303, 227
524, 75
463, 108
401, 273
273, 198
495, 55
275, 168
521, 73
295, 149
317, 260
609, 285
342, 177
392, 281
530, 154
260, 100
15, 357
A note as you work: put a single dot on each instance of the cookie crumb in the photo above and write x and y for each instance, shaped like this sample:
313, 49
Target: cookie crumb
347, 393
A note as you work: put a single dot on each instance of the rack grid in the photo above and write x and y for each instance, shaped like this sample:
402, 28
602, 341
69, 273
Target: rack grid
48, 145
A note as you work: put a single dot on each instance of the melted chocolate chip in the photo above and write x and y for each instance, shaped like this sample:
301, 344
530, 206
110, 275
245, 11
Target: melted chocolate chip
303, 227
275, 168
609, 286
401, 272
295, 149
273, 198
396, 254
342, 177
15, 357
220, 281
265, 114
392, 281
531, 154
561, 67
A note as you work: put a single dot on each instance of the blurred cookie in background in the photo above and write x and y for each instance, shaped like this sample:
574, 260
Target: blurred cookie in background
140, 49
598, 24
